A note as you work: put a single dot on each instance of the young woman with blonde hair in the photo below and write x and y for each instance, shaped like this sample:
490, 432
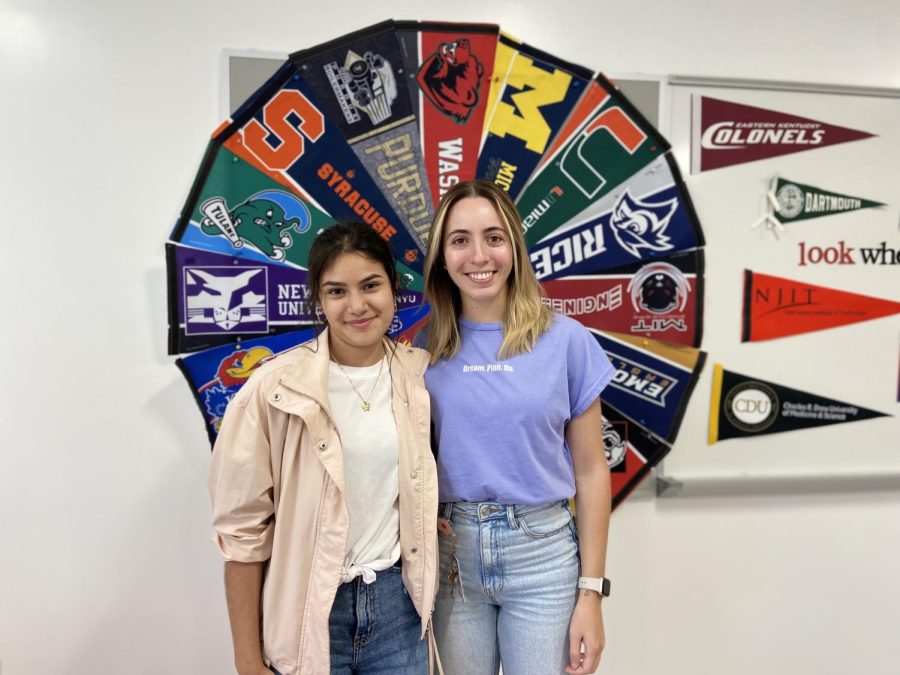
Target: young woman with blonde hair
517, 427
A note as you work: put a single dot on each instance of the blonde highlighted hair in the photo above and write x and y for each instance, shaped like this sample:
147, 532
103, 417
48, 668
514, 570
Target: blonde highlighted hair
526, 318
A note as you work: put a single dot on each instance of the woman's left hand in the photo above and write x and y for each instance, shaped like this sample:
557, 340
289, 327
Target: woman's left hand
586, 630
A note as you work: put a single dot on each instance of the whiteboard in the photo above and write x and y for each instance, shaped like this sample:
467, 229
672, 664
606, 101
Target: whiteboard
856, 363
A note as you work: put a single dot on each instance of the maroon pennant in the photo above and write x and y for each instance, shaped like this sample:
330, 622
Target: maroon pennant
727, 133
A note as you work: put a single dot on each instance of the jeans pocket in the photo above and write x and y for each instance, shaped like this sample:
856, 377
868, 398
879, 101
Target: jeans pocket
544, 524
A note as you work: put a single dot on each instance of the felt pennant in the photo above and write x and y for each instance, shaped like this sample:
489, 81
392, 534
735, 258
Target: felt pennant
743, 406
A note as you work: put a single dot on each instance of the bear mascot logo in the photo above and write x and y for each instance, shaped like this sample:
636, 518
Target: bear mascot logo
451, 78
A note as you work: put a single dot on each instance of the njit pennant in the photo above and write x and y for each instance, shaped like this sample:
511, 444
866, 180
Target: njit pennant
795, 201
631, 451
238, 210
727, 133
648, 217
216, 298
662, 299
450, 67
776, 307
653, 380
359, 80
217, 374
532, 94
283, 132
605, 142
745, 406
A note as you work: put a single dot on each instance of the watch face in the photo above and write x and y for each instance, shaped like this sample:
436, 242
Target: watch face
606, 586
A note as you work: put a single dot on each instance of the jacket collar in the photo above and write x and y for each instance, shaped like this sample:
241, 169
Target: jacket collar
309, 372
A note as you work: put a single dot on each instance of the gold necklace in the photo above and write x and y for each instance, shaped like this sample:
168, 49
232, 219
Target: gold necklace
364, 403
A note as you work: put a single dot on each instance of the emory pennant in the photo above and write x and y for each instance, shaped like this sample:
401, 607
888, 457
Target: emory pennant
775, 307
725, 133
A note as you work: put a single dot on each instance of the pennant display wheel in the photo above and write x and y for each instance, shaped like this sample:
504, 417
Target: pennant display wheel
375, 126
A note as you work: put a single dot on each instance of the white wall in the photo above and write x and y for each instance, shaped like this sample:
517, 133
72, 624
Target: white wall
104, 560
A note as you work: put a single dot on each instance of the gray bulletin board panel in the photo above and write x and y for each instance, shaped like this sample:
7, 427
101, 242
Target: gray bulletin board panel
856, 363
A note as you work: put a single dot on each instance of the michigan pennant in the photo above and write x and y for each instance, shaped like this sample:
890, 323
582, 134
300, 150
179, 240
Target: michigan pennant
726, 133
776, 307
744, 406
534, 93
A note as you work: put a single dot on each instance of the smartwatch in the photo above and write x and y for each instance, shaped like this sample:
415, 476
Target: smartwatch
599, 584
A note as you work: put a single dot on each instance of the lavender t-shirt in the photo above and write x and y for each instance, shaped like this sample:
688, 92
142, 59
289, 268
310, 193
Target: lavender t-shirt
500, 424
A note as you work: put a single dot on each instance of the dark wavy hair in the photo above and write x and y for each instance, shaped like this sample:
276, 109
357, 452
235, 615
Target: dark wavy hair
347, 237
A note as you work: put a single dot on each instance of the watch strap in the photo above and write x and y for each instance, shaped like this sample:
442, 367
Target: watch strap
599, 584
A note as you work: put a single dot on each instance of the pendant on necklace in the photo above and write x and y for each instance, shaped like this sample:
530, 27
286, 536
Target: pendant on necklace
365, 406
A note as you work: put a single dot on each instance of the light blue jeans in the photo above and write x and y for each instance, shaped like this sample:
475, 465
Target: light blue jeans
509, 576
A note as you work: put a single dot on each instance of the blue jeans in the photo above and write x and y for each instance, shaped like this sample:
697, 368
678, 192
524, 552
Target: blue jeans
509, 576
374, 629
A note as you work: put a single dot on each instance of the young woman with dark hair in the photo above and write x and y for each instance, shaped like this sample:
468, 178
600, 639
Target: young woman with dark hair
324, 487
514, 393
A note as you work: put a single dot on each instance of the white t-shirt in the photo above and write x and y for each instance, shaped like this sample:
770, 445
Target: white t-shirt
371, 460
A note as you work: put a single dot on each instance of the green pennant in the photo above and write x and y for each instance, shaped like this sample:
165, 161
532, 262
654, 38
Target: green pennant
797, 201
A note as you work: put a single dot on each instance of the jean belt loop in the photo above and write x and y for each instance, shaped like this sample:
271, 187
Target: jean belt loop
511, 516
446, 510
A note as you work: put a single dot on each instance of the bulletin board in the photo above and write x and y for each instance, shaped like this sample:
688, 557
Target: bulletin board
835, 231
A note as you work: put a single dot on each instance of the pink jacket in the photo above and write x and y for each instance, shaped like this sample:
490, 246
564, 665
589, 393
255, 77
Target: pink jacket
277, 490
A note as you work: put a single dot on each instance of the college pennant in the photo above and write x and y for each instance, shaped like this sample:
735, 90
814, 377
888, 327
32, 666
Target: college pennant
449, 66
359, 80
216, 375
776, 307
662, 299
796, 201
283, 132
653, 380
726, 133
744, 406
532, 94
650, 216
216, 298
631, 451
605, 142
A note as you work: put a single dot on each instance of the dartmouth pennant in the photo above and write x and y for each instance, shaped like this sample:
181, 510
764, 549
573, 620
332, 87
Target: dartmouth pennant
449, 66
776, 307
745, 406
359, 80
631, 451
653, 380
532, 94
648, 217
796, 201
605, 142
726, 133
662, 299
